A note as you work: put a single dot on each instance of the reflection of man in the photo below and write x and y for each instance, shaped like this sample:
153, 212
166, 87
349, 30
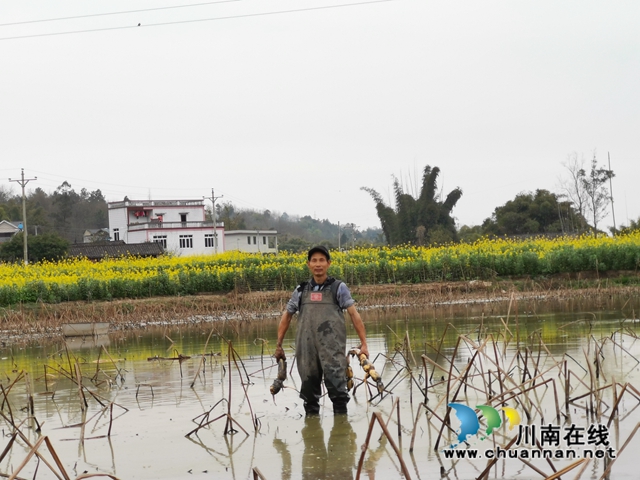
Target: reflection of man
337, 459
314, 458
281, 448
341, 449
321, 338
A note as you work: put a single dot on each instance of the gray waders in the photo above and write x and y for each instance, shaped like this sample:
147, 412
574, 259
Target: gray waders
321, 342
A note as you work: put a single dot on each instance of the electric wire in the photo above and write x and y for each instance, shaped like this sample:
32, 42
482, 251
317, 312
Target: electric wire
197, 20
75, 17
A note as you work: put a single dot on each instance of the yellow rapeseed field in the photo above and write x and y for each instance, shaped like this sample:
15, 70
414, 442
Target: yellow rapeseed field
81, 279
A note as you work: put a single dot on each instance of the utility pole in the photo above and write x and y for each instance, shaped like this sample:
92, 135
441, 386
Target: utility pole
23, 181
353, 235
213, 199
613, 211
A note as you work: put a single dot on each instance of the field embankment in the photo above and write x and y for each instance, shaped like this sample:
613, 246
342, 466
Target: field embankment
233, 284
29, 322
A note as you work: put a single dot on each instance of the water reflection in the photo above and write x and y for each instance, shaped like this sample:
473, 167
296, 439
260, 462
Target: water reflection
164, 396
336, 458
283, 451
91, 341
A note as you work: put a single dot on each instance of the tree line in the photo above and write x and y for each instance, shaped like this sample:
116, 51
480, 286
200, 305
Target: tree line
64, 212
53, 220
425, 218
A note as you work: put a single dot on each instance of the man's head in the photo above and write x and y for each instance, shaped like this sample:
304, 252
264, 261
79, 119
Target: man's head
319, 249
319, 261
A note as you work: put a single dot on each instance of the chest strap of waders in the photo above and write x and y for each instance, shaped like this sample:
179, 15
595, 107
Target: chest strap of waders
332, 282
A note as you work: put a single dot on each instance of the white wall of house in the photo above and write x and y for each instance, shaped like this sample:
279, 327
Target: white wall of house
7, 230
118, 223
179, 225
252, 241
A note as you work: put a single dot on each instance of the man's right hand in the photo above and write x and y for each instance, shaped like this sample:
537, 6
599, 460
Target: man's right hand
280, 353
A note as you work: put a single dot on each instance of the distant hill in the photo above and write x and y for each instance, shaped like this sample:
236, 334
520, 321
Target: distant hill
295, 233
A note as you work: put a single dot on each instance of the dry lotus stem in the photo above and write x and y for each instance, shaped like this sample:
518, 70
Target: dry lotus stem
277, 384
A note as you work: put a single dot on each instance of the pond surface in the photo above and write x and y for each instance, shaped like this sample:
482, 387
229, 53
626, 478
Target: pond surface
155, 404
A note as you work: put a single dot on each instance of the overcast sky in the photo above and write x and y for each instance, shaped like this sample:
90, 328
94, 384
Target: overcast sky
294, 112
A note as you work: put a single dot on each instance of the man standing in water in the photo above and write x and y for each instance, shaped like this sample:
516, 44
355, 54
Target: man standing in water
321, 339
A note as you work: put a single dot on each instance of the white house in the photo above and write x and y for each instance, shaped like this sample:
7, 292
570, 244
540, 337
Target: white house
252, 241
180, 226
8, 230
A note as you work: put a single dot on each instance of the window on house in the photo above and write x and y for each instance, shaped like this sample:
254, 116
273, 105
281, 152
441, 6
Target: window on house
209, 240
248, 240
272, 242
116, 234
183, 219
264, 240
161, 239
186, 241
254, 240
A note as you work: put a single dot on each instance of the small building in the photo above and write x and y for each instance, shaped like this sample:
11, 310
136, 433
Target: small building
180, 226
8, 230
100, 250
92, 235
252, 241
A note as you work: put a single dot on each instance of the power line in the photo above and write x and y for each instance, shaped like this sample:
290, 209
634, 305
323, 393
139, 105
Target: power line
115, 13
247, 15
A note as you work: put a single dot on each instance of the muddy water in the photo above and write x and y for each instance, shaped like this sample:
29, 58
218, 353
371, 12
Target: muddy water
155, 406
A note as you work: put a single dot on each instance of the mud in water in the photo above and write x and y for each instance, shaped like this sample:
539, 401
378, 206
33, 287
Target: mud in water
146, 390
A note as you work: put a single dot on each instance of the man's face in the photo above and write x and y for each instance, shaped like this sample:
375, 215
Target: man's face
318, 264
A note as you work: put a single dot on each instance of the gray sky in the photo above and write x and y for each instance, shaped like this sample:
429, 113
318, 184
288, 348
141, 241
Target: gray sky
294, 112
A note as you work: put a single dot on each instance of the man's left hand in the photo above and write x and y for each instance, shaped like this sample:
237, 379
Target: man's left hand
365, 350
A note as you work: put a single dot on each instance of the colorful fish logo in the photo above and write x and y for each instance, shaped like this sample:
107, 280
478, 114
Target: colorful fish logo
513, 416
469, 423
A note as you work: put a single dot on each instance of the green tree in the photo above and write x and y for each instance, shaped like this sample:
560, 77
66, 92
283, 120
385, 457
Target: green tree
426, 219
634, 226
64, 212
64, 199
39, 206
227, 213
533, 213
293, 244
471, 234
48, 246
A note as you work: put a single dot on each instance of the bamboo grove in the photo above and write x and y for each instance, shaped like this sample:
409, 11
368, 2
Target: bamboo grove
81, 279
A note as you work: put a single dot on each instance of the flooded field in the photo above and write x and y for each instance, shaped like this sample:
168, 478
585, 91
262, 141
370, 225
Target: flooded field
127, 405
